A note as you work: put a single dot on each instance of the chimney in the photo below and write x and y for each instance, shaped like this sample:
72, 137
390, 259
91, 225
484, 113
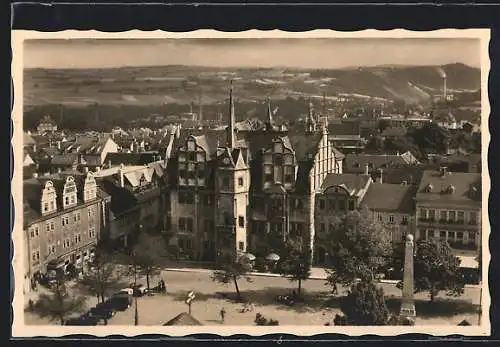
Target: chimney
444, 87
367, 171
35, 175
230, 128
120, 170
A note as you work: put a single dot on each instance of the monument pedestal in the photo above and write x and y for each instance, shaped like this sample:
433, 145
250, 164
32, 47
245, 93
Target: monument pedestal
407, 304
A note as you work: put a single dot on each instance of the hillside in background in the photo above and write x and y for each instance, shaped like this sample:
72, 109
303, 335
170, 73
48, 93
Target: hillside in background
149, 86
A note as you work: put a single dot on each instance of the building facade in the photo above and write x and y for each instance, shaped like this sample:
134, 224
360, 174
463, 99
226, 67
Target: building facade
63, 219
448, 207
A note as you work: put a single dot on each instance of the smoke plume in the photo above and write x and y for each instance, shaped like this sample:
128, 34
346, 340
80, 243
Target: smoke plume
441, 72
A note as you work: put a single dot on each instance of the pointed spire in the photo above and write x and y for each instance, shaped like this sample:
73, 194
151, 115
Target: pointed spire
230, 128
269, 112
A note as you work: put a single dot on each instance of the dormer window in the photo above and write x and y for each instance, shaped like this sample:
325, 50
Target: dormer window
69, 193
90, 188
48, 203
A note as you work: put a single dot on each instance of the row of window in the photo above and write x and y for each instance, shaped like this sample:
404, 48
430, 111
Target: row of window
336, 205
428, 234
65, 221
280, 174
448, 215
69, 200
192, 157
391, 220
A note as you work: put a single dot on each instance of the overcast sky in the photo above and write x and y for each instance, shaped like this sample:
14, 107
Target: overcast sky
304, 53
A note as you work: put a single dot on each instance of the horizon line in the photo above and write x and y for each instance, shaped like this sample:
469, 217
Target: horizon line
253, 67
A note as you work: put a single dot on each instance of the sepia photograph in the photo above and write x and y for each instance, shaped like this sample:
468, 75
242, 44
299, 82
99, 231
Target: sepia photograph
251, 182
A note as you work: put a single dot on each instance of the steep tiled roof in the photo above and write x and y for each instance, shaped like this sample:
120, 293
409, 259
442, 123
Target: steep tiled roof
344, 128
64, 159
357, 162
305, 146
453, 187
131, 158
32, 193
352, 182
390, 197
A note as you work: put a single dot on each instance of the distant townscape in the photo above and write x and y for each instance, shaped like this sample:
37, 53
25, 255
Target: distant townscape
153, 187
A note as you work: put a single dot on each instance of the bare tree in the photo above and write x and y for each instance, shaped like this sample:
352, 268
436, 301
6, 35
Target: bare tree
102, 275
148, 254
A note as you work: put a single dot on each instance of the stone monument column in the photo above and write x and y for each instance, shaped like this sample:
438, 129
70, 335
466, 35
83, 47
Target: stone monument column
408, 304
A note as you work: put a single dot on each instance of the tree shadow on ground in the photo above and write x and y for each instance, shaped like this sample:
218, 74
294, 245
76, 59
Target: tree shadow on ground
112, 287
438, 308
310, 302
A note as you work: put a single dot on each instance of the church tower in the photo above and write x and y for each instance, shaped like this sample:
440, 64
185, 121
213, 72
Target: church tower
310, 124
232, 184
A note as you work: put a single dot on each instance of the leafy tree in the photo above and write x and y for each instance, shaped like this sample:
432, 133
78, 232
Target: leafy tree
363, 305
358, 248
102, 274
232, 272
382, 125
436, 269
297, 262
375, 144
59, 304
431, 138
147, 255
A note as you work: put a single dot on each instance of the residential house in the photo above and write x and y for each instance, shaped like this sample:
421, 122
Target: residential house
392, 205
448, 207
136, 201
339, 193
64, 216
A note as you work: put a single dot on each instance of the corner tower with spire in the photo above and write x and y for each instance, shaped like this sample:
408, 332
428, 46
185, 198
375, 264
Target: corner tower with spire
232, 185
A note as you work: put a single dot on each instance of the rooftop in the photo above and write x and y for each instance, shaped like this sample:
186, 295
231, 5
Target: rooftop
386, 197
452, 187
354, 183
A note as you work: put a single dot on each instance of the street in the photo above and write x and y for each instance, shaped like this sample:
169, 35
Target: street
319, 308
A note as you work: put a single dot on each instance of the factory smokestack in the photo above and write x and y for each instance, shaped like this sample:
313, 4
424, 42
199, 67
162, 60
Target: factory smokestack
444, 87
443, 76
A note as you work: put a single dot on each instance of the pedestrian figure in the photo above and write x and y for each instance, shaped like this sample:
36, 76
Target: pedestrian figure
222, 315
163, 286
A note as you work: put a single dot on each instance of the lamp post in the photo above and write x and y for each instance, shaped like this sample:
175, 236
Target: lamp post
136, 315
